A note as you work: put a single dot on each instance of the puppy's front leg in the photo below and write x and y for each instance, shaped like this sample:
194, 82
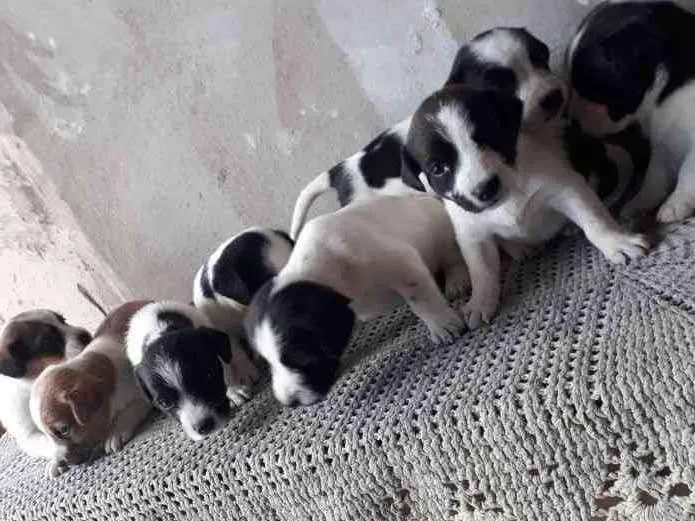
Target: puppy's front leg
242, 375
126, 423
681, 202
409, 276
483, 261
577, 202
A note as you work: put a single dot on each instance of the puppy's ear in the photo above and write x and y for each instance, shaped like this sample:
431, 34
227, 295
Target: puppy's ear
85, 398
143, 385
219, 341
410, 170
496, 117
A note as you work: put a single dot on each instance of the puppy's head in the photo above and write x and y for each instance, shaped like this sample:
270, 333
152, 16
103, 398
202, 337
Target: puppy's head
614, 62
70, 404
240, 266
35, 339
301, 330
512, 60
182, 373
464, 141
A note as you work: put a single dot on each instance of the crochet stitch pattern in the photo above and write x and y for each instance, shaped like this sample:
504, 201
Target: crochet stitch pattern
576, 404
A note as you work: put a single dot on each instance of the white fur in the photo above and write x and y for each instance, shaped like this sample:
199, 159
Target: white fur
542, 193
239, 377
145, 327
127, 406
504, 49
372, 252
287, 384
470, 172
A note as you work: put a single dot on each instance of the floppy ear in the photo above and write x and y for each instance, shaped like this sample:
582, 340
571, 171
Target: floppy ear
84, 399
142, 385
219, 341
497, 120
410, 171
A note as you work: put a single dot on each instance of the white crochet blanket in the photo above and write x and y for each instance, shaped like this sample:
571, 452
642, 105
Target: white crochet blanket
577, 404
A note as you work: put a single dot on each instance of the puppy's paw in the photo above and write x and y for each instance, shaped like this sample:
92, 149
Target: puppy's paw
55, 468
238, 395
116, 441
480, 310
620, 247
445, 329
673, 211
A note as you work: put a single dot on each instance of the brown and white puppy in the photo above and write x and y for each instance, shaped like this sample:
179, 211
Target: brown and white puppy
30, 342
91, 403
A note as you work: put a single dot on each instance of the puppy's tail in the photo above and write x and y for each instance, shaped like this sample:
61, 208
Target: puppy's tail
88, 296
320, 185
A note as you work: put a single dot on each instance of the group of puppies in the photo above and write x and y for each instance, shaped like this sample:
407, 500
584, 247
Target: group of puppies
504, 155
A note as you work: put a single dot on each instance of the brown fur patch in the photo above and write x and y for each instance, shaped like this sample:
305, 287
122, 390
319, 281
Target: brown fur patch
117, 322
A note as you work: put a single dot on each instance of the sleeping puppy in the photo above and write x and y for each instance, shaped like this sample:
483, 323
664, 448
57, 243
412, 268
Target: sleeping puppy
91, 403
501, 182
225, 284
506, 58
188, 370
30, 342
631, 62
353, 264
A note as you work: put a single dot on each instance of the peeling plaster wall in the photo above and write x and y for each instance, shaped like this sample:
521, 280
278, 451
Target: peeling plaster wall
167, 126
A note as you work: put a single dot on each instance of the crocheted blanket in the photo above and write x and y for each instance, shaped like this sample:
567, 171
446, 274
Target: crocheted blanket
578, 403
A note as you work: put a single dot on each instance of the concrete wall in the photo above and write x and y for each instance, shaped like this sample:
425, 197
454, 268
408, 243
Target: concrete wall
167, 126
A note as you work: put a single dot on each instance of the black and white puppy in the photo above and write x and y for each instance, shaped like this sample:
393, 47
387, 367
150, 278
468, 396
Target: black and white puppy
225, 284
189, 370
506, 58
29, 343
631, 62
499, 181
353, 264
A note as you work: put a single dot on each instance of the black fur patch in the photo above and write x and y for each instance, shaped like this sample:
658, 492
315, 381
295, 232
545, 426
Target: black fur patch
241, 268
196, 355
30, 340
342, 183
616, 59
382, 159
315, 324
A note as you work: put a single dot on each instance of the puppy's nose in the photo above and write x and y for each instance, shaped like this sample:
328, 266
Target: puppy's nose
487, 191
205, 426
552, 102
293, 402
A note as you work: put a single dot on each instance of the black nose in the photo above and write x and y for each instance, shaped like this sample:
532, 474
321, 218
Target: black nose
205, 426
552, 102
293, 402
488, 191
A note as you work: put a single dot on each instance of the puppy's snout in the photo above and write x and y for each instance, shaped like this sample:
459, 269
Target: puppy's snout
552, 103
488, 191
205, 426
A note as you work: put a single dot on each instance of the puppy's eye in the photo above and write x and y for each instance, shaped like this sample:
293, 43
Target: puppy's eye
165, 403
62, 431
437, 169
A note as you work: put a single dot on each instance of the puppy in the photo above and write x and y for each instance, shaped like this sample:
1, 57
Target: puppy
498, 181
353, 264
225, 284
506, 58
188, 370
91, 403
29, 343
631, 62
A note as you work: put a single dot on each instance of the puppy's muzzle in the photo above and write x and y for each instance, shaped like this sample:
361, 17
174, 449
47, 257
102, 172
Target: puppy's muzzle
205, 426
